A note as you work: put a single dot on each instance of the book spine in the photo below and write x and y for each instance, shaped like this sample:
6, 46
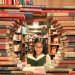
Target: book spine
22, 2
7, 58
72, 37
69, 54
9, 2
69, 49
69, 18
12, 16
4, 40
5, 1
3, 53
68, 28
17, 2
4, 46
70, 44
1, 1
67, 62
6, 62
3, 31
66, 65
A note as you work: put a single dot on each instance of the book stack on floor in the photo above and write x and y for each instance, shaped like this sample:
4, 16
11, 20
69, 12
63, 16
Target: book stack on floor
66, 30
7, 64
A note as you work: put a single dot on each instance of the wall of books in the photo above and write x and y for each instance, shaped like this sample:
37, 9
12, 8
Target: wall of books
15, 42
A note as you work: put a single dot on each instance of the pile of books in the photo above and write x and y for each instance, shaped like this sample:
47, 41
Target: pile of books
66, 30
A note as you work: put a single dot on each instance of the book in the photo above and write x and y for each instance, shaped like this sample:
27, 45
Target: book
22, 2
65, 25
69, 49
69, 54
4, 31
69, 44
5, 1
63, 29
60, 14
66, 22
9, 2
4, 46
35, 70
7, 58
29, 2
64, 18
36, 62
12, 11
3, 53
6, 62
69, 58
1, 1
4, 39
71, 40
68, 37
16, 2
66, 62
70, 32
34, 6
31, 9
29, 15
7, 23
59, 70
7, 15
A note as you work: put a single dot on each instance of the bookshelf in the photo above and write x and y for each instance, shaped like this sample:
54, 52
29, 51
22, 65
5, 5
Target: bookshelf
54, 40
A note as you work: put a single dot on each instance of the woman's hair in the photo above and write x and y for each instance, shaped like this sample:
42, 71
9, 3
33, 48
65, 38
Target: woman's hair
34, 52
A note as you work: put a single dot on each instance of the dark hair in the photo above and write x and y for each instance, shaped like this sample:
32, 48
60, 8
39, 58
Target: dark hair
34, 52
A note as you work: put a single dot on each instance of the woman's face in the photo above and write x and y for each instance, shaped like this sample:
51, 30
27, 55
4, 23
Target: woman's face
38, 48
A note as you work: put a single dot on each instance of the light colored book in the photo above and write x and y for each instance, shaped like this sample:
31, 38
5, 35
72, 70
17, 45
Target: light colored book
35, 70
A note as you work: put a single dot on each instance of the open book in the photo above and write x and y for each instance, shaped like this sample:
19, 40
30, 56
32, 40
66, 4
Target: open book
39, 61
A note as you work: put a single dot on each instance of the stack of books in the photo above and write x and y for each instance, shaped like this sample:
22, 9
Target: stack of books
66, 30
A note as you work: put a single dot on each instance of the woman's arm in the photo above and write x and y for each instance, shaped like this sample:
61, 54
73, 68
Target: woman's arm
48, 58
22, 64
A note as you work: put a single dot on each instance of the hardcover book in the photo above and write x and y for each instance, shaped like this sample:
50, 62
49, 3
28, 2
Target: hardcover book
40, 61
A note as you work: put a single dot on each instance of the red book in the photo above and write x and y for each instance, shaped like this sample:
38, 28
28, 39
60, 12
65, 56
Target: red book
64, 18
22, 16
9, 2
4, 31
27, 1
4, 46
4, 40
31, 9
5, 1
3, 12
17, 2
69, 40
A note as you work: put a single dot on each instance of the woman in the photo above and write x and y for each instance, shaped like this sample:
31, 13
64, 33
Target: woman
38, 57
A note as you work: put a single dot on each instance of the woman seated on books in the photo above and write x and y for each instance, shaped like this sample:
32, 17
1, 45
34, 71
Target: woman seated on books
37, 58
